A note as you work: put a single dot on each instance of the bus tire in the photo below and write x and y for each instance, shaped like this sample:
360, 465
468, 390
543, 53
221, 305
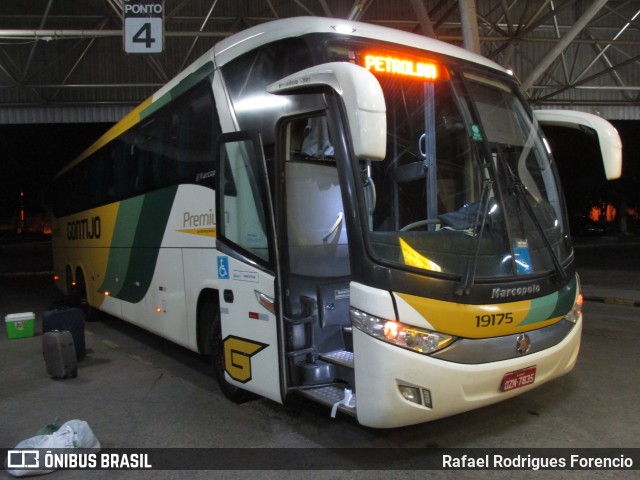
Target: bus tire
233, 393
91, 314
70, 294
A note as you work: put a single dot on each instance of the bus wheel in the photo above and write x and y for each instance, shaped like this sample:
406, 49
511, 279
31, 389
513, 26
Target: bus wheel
81, 301
233, 393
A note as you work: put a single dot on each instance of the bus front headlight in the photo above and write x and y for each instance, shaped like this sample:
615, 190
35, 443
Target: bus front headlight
400, 334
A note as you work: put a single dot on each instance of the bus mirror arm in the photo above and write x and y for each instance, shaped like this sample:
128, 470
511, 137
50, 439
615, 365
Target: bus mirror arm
608, 137
362, 97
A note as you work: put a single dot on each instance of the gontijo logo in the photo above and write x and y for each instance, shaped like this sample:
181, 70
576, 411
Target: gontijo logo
237, 357
84, 229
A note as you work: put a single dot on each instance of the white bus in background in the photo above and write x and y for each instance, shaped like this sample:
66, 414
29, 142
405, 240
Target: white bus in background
363, 216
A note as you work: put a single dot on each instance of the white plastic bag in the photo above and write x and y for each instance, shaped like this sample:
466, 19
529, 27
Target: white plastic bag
72, 434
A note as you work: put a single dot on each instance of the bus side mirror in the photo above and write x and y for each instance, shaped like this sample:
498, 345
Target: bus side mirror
363, 100
608, 138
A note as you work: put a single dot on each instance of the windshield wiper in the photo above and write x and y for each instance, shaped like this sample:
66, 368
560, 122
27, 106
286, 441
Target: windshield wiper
466, 281
520, 192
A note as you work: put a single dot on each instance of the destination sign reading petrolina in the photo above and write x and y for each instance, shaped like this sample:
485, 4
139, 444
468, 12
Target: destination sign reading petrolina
143, 26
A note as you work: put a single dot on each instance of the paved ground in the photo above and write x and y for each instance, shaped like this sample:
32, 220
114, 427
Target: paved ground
137, 390
609, 268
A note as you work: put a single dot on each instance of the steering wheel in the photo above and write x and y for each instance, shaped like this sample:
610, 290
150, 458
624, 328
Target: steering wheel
420, 223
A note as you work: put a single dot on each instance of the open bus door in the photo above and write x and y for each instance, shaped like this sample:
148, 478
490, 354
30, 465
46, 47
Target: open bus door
250, 337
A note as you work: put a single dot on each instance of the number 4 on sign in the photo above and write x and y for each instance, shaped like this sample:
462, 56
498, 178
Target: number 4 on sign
143, 35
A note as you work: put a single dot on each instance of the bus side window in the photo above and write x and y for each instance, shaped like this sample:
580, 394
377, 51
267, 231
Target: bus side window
99, 181
123, 170
171, 146
243, 220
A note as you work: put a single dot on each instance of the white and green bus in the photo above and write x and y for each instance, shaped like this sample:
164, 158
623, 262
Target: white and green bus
362, 216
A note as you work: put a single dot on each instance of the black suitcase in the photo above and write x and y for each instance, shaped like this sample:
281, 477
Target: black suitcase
59, 354
71, 319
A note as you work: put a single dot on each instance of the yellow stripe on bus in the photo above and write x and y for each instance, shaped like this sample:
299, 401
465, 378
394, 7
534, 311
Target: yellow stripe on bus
119, 128
479, 321
84, 240
206, 232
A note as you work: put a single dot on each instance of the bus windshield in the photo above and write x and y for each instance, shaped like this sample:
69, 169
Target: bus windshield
468, 186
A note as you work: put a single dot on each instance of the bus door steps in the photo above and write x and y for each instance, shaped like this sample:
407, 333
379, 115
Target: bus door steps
330, 395
342, 358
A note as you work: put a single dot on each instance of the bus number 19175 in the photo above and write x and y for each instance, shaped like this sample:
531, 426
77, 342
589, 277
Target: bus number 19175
494, 319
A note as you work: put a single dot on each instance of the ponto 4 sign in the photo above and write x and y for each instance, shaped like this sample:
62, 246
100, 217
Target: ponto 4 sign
143, 26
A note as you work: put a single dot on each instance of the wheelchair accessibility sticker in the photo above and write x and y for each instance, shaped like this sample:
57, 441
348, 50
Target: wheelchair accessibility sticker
223, 268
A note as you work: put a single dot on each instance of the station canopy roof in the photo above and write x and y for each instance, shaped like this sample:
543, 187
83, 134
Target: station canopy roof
64, 61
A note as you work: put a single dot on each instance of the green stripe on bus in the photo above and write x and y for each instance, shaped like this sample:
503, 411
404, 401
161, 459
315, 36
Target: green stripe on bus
152, 223
541, 309
555, 305
566, 298
120, 249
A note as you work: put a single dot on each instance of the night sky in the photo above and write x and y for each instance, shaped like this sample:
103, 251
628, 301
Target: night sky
31, 155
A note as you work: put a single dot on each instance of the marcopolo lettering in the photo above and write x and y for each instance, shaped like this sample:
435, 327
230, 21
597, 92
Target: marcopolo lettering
515, 291
84, 229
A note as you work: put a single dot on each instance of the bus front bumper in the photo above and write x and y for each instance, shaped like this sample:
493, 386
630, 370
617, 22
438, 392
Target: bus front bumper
446, 387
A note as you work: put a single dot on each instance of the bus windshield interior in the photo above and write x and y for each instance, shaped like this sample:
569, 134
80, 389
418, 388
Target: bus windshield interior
468, 185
